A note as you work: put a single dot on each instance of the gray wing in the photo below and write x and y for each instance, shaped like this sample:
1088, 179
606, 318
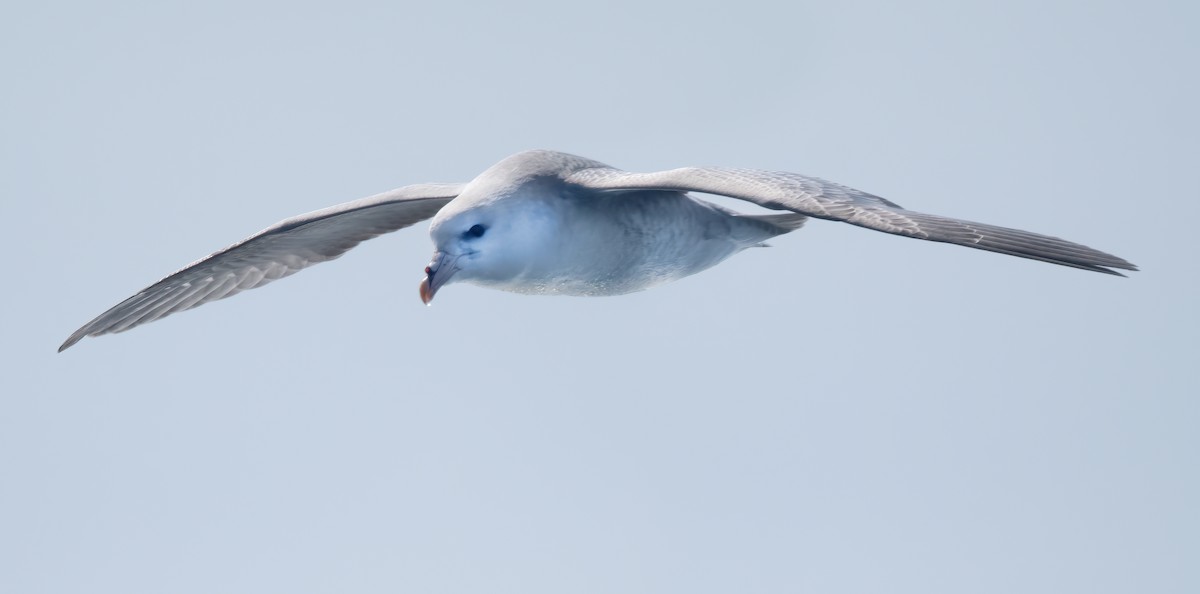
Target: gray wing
826, 200
273, 253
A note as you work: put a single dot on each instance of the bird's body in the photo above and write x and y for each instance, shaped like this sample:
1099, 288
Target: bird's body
618, 244
544, 222
574, 241
628, 247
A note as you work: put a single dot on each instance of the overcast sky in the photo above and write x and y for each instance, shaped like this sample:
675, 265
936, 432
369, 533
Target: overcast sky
846, 411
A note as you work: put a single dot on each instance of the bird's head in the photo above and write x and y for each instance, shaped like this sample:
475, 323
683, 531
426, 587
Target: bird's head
489, 240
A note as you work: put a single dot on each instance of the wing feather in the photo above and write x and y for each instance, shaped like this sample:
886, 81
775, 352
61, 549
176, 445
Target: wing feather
823, 199
275, 252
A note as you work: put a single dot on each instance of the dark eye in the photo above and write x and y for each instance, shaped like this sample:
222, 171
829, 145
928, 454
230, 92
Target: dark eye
475, 231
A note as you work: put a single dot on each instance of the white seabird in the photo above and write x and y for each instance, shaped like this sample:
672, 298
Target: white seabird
545, 222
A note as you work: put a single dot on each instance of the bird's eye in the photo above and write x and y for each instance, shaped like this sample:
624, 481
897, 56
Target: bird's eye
475, 231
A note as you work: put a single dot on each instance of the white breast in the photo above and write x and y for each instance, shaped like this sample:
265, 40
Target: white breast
610, 243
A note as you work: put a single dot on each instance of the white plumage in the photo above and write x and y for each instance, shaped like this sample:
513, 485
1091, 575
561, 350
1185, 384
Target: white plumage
551, 223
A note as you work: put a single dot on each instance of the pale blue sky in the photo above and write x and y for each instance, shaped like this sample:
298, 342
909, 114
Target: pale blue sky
844, 412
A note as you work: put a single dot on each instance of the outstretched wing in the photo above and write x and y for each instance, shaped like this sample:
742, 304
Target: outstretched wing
826, 200
273, 253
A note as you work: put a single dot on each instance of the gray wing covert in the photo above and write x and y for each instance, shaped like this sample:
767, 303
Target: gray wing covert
275, 252
823, 199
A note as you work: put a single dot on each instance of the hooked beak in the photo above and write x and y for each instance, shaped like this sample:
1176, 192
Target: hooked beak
438, 273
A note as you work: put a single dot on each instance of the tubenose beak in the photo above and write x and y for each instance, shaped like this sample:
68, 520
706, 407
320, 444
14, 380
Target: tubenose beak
437, 273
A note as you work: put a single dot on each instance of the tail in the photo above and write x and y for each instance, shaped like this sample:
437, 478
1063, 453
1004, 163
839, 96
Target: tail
781, 223
756, 229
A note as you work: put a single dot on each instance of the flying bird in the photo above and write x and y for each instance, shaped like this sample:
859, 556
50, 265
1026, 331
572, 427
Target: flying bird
545, 222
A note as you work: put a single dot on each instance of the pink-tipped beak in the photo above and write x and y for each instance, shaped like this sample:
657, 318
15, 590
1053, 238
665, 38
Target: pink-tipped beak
437, 273
426, 292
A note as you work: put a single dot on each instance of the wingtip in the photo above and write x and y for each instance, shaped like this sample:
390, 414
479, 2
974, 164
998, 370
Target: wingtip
1124, 265
74, 338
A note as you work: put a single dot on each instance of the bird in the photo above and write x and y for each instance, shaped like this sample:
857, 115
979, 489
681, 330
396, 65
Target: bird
552, 223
